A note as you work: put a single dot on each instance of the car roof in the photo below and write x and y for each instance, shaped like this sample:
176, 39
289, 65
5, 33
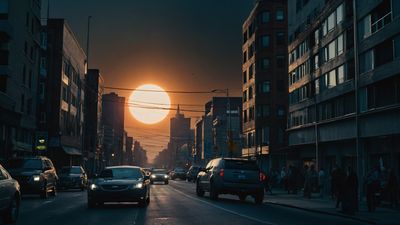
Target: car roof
123, 167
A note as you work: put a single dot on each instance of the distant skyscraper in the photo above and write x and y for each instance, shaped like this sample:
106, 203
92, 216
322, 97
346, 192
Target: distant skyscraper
180, 134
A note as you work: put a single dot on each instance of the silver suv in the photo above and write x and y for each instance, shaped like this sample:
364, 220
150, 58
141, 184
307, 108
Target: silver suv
231, 176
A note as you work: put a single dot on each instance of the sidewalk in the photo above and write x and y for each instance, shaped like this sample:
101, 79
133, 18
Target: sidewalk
382, 216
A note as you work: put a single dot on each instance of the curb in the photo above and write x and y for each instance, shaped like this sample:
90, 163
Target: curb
322, 212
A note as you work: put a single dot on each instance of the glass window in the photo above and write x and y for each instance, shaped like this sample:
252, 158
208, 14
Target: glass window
279, 15
265, 87
397, 46
265, 63
316, 63
316, 36
265, 17
317, 86
339, 14
340, 74
265, 41
250, 93
265, 135
280, 38
324, 28
332, 79
340, 44
331, 21
244, 96
122, 173
332, 50
245, 77
366, 61
265, 110
364, 27
280, 61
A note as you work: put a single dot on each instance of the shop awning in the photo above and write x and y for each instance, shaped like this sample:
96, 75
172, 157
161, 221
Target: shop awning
71, 150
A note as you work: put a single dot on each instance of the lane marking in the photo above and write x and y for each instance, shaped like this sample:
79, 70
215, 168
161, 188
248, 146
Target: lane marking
135, 216
224, 209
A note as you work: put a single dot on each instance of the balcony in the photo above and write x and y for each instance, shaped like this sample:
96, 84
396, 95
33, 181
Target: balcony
381, 23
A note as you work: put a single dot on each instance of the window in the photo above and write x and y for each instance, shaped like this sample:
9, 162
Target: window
265, 87
264, 17
340, 74
265, 63
245, 115
265, 135
245, 96
244, 56
245, 77
324, 28
339, 14
316, 63
250, 93
280, 112
64, 94
316, 36
332, 79
331, 21
265, 41
316, 86
366, 61
340, 45
22, 103
280, 38
331, 50
245, 36
279, 15
280, 61
265, 111
251, 71
364, 27
251, 113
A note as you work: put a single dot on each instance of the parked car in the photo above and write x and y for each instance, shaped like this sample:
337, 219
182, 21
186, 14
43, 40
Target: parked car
10, 197
36, 175
72, 177
159, 175
178, 173
119, 184
191, 175
231, 176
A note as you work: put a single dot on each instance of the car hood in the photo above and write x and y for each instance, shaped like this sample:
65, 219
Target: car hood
159, 174
24, 172
116, 181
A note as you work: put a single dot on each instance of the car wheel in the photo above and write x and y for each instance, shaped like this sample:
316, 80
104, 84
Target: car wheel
11, 214
199, 190
166, 182
213, 192
259, 198
54, 191
44, 194
242, 197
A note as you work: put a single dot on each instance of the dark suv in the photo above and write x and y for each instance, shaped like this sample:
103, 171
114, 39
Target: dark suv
231, 176
36, 175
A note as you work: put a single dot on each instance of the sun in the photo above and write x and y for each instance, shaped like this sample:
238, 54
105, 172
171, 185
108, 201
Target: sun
149, 104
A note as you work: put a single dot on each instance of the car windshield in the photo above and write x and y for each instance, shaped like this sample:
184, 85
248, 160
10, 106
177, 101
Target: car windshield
70, 170
160, 171
121, 173
25, 164
179, 170
240, 165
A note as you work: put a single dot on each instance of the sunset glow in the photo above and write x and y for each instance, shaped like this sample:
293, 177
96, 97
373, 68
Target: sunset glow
147, 106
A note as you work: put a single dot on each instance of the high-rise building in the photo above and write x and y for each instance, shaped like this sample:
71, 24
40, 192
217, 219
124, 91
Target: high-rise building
265, 82
62, 94
20, 42
92, 150
344, 83
113, 128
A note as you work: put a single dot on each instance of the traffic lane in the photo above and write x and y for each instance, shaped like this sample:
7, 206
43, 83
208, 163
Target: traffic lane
70, 208
267, 212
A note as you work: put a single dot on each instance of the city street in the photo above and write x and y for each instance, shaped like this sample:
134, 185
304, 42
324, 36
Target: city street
170, 204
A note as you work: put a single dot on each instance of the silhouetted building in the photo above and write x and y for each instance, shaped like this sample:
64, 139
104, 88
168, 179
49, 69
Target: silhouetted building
20, 42
113, 128
264, 81
62, 94
92, 152
139, 155
344, 95
129, 151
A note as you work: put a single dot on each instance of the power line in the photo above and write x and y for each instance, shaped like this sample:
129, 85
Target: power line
167, 91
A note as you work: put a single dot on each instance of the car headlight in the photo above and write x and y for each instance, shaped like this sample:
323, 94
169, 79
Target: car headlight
93, 187
165, 176
153, 176
36, 178
138, 185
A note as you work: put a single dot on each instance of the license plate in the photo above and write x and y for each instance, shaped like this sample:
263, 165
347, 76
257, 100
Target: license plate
242, 176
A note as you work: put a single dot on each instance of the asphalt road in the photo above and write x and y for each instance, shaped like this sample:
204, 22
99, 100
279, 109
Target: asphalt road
175, 204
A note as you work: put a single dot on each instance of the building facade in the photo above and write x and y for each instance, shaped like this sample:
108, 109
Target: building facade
19, 62
344, 83
113, 128
264, 82
62, 94
92, 151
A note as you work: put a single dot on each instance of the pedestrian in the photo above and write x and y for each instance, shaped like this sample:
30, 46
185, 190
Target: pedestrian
321, 182
372, 188
350, 194
340, 186
283, 179
307, 182
392, 189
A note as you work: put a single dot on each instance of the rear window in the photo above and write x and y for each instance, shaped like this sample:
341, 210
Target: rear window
71, 170
240, 165
25, 164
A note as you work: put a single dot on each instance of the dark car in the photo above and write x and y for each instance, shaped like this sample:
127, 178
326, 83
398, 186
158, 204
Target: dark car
120, 184
72, 177
231, 176
36, 175
10, 197
191, 175
159, 175
178, 173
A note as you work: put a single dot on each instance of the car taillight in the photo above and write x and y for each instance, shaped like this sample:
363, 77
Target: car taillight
221, 172
262, 177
